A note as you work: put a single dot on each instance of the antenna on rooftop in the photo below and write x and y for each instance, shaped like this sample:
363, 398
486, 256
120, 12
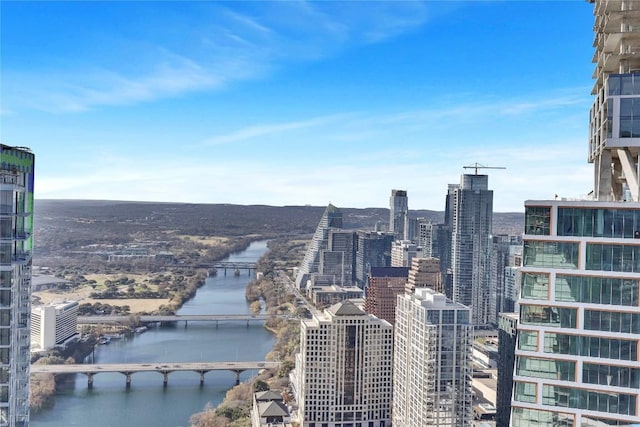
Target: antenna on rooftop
477, 166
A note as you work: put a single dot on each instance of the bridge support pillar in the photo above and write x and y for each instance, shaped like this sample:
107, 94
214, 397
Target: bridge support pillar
202, 378
238, 372
225, 272
165, 381
128, 375
216, 324
247, 323
90, 380
185, 324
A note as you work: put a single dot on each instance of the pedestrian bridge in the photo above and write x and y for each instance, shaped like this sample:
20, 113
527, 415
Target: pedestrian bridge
164, 368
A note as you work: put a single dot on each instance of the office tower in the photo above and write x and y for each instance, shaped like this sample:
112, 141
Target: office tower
53, 324
500, 256
384, 286
331, 219
512, 278
398, 214
579, 329
424, 273
403, 252
16, 246
413, 229
432, 365
343, 371
470, 206
373, 249
615, 115
432, 238
507, 335
342, 243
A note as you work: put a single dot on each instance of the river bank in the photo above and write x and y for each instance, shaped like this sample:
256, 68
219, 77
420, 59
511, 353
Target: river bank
147, 402
234, 410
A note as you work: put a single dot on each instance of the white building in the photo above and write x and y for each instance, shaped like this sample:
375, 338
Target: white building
343, 371
403, 252
53, 324
16, 246
432, 368
577, 358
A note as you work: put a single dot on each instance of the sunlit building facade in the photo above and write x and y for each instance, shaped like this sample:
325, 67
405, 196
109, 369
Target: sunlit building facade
331, 220
342, 375
579, 330
470, 207
614, 132
16, 246
432, 365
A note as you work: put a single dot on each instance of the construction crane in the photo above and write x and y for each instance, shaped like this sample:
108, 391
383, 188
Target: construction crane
477, 166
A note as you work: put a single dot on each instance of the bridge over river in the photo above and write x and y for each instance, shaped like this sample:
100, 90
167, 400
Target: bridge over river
114, 320
164, 368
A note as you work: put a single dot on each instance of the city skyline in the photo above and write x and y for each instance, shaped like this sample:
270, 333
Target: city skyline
289, 103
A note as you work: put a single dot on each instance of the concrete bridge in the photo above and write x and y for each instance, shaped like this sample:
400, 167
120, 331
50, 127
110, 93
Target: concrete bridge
164, 368
235, 266
115, 320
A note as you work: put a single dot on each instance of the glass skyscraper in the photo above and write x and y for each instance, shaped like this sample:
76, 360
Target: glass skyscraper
399, 214
16, 246
470, 206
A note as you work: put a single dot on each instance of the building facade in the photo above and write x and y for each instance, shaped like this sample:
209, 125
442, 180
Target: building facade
470, 207
507, 335
343, 371
403, 252
614, 131
424, 273
399, 214
53, 324
385, 284
331, 219
373, 249
577, 361
432, 368
16, 248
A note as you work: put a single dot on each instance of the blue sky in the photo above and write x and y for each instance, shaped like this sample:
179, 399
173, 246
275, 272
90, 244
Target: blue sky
294, 103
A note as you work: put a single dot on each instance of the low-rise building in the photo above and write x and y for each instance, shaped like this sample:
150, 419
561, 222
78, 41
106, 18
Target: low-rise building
269, 410
53, 324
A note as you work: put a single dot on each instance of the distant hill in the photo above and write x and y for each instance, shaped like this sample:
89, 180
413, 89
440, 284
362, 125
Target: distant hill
68, 224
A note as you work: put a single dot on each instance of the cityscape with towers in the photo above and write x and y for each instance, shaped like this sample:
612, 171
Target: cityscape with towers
417, 322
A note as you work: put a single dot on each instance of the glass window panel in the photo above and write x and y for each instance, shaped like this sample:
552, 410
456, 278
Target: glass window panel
626, 84
613, 85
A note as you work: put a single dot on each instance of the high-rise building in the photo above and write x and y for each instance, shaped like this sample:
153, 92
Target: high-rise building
432, 366
502, 247
470, 206
343, 371
373, 249
403, 252
507, 335
579, 330
383, 288
578, 334
399, 214
53, 324
16, 246
331, 219
424, 273
614, 131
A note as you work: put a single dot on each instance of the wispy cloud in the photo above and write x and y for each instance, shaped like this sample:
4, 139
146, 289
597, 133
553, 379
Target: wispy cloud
223, 46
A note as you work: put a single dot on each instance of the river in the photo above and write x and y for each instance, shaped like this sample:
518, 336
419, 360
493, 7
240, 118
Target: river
147, 402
